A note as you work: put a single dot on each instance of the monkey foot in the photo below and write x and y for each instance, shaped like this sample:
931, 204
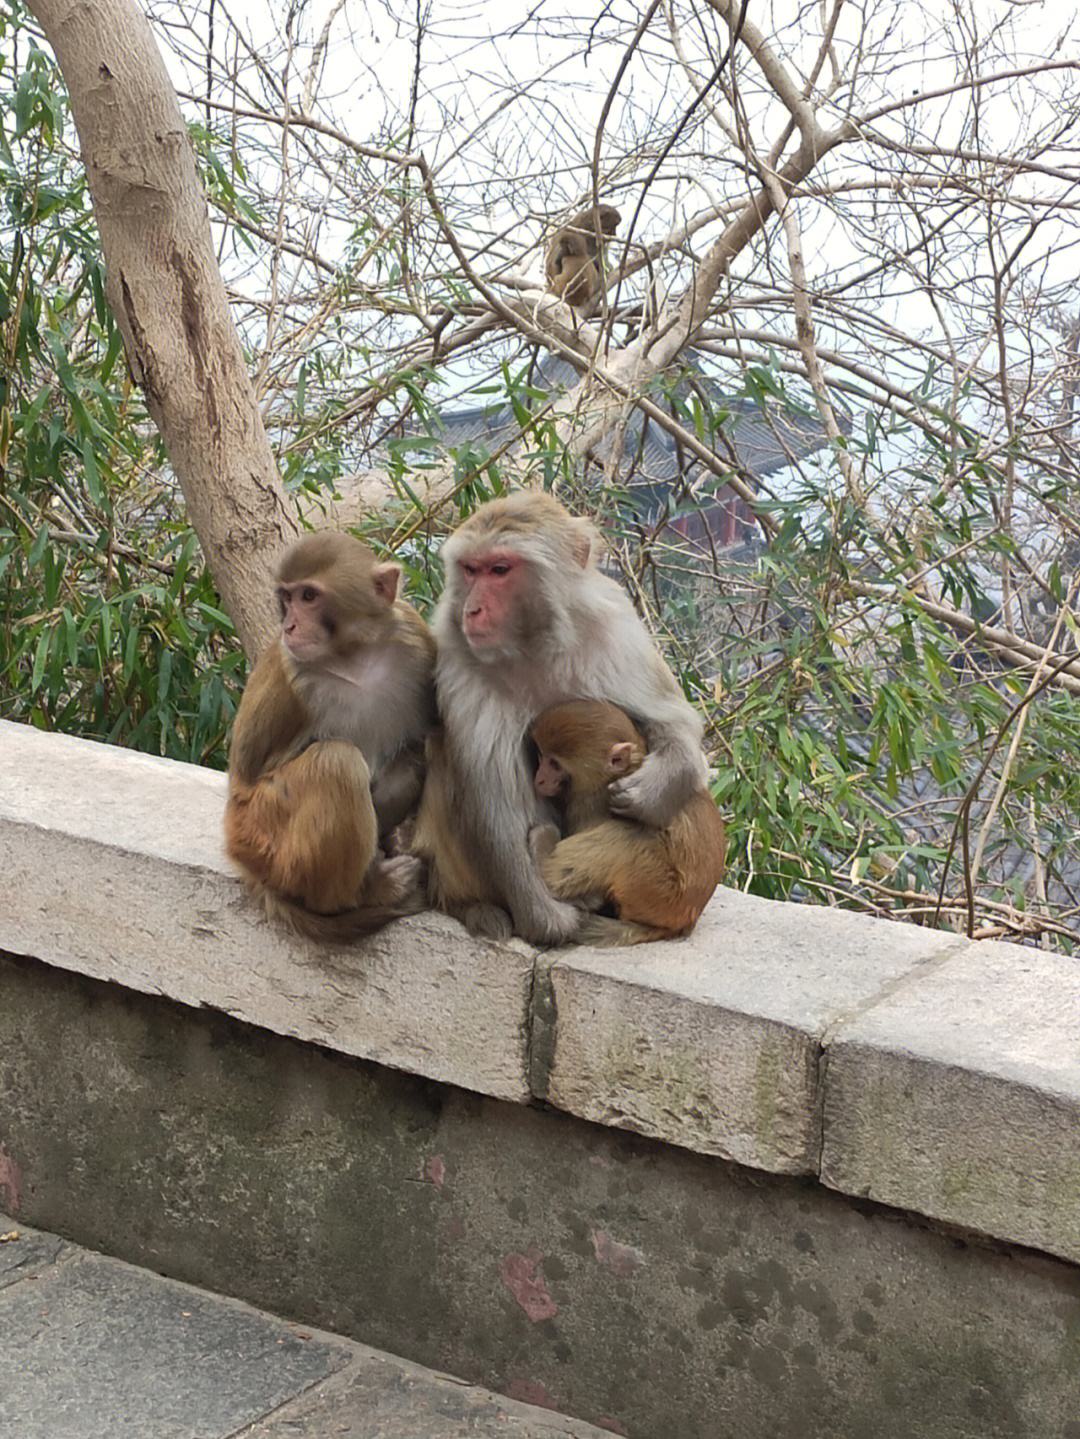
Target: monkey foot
592, 902
486, 921
555, 923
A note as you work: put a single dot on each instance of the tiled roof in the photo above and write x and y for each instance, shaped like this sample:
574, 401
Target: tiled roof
763, 440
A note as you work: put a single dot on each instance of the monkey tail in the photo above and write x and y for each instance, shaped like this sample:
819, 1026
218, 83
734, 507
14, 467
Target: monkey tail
606, 933
340, 928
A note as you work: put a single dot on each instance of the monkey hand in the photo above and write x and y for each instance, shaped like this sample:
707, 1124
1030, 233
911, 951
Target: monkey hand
655, 793
393, 881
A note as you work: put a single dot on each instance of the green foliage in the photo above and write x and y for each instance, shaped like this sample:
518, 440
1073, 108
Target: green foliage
109, 627
849, 729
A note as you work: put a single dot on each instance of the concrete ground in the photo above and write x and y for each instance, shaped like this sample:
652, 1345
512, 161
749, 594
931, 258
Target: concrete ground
91, 1348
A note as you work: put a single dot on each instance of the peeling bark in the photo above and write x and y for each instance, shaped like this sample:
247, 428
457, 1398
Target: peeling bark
166, 292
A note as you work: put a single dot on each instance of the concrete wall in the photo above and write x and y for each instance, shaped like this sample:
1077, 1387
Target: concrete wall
423, 1142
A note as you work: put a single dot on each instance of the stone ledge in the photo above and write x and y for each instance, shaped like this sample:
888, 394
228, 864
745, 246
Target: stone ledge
959, 1097
114, 868
713, 1042
892, 1062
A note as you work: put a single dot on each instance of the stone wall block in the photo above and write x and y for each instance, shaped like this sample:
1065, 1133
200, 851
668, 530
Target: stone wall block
713, 1042
958, 1096
114, 868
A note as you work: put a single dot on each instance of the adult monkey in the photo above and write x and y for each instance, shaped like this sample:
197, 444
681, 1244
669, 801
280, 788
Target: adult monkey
326, 750
525, 620
573, 261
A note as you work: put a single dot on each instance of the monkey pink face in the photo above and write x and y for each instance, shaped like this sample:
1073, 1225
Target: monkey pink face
494, 595
550, 777
306, 626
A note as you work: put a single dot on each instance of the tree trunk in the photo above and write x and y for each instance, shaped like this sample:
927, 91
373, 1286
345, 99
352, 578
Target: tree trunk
167, 294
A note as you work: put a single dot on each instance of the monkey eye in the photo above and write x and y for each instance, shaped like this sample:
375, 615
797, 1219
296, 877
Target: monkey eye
307, 594
469, 571
500, 569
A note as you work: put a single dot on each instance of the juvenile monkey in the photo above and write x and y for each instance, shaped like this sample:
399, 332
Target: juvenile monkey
574, 254
526, 619
326, 754
658, 880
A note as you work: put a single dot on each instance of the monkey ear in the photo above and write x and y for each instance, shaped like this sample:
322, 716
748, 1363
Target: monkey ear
581, 545
385, 580
620, 756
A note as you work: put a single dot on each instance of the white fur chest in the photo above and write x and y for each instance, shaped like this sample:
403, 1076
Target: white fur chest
366, 703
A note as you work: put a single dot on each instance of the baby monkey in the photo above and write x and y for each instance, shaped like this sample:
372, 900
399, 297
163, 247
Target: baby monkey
657, 880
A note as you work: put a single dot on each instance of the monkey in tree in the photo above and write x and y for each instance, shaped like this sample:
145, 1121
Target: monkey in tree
657, 880
574, 261
326, 756
527, 619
